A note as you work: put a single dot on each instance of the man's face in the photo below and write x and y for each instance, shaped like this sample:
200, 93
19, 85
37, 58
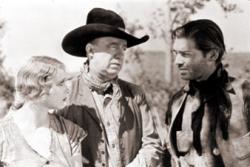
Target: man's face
107, 56
191, 62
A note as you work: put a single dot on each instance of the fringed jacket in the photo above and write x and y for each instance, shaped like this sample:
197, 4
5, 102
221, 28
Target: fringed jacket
228, 135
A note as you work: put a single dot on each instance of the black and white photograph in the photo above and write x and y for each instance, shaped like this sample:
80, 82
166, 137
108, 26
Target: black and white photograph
124, 83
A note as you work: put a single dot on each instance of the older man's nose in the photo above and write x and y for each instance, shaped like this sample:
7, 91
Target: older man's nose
67, 87
119, 54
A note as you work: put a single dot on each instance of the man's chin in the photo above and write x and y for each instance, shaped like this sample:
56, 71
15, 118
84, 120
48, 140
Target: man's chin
110, 76
185, 77
114, 72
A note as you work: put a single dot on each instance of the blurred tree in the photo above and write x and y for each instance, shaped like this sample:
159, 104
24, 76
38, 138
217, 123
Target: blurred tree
6, 81
6, 89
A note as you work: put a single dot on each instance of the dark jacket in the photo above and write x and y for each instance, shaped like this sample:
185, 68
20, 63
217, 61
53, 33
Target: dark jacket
138, 137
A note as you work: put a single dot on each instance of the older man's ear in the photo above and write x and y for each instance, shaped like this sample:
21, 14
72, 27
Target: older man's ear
89, 50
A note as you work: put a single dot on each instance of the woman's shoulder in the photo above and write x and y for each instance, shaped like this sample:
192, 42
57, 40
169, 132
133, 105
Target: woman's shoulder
6, 120
6, 126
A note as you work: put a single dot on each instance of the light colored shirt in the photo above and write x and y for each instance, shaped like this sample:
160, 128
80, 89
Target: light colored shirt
185, 137
16, 152
109, 115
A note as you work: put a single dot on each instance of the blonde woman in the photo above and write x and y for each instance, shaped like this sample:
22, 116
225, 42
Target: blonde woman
30, 135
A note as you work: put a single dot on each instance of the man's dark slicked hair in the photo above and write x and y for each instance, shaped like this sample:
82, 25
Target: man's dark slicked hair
206, 34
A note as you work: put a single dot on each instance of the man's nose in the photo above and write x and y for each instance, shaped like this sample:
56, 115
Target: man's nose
67, 90
178, 59
67, 87
120, 53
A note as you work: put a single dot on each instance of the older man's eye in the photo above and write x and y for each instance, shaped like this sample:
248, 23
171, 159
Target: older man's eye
124, 47
113, 46
61, 83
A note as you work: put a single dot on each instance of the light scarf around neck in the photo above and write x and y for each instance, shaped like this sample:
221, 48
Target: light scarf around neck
92, 81
110, 87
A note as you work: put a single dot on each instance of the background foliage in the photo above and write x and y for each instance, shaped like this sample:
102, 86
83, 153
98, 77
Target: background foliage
6, 81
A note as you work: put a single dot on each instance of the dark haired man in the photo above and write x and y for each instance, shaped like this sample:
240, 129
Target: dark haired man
205, 118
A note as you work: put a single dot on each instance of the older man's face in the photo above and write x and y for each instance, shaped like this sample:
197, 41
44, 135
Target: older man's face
191, 62
108, 55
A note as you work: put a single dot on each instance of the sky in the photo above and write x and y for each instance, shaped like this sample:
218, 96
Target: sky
36, 27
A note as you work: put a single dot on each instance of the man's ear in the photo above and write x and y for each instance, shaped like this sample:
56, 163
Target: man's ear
213, 55
89, 50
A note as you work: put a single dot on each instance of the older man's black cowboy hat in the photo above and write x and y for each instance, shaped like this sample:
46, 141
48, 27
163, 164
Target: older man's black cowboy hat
100, 23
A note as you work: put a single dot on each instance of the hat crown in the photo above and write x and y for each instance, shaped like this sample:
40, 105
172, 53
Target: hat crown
103, 16
100, 23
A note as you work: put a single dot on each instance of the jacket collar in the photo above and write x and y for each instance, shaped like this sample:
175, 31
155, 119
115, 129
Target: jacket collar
86, 99
218, 78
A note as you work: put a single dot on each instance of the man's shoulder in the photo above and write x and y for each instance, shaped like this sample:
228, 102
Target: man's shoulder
67, 111
65, 125
127, 83
177, 95
128, 87
176, 98
77, 87
76, 77
74, 81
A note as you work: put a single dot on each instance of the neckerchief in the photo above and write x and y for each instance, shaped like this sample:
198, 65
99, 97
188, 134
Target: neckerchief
213, 95
92, 82
110, 87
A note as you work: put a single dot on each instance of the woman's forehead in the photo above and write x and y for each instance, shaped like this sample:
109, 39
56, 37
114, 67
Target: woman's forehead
62, 75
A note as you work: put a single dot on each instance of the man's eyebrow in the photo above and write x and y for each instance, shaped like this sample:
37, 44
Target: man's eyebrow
185, 51
180, 51
113, 43
117, 44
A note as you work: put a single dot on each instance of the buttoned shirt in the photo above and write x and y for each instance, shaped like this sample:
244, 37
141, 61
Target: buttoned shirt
109, 115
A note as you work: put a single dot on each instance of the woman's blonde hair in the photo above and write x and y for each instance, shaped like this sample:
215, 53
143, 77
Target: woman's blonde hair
35, 78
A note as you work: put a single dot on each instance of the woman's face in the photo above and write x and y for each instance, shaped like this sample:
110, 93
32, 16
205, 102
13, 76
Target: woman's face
3, 107
57, 96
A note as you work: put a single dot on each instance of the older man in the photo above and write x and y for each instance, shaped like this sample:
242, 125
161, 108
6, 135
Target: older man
206, 123
121, 131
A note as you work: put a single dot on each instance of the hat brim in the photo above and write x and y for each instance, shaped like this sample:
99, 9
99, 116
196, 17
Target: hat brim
75, 41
